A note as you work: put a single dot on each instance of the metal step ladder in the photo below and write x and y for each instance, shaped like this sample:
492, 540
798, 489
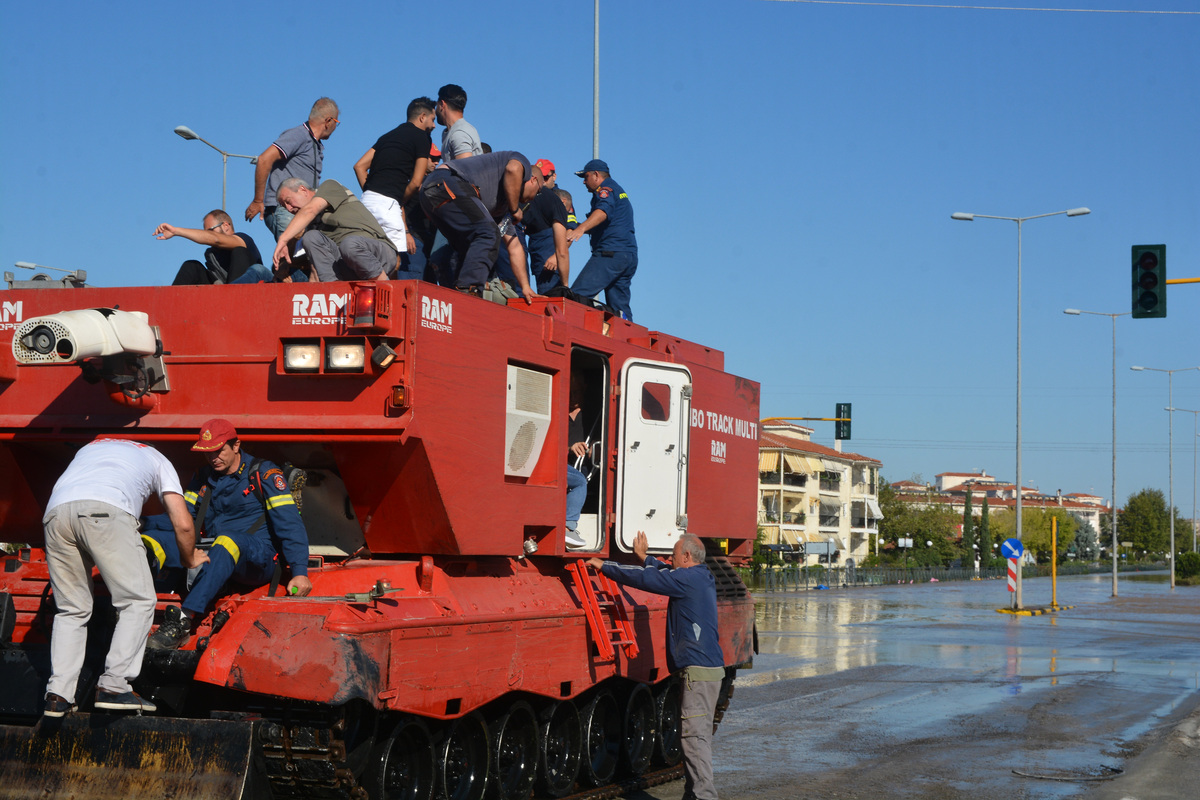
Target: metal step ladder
606, 617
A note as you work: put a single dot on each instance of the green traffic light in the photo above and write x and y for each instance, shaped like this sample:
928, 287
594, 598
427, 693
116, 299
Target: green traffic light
1149, 264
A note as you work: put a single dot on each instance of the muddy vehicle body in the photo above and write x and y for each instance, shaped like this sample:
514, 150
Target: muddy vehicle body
452, 645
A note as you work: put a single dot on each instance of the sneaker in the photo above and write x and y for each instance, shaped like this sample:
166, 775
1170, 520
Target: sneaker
57, 705
173, 632
574, 540
125, 701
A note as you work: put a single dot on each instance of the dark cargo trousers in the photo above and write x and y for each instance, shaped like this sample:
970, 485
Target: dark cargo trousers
698, 703
462, 218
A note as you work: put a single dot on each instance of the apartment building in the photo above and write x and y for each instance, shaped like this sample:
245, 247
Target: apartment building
816, 502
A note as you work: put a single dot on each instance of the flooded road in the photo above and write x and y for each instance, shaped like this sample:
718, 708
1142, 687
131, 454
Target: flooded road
924, 691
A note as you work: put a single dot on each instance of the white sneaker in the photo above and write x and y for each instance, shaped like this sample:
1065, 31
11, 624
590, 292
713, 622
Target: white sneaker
574, 540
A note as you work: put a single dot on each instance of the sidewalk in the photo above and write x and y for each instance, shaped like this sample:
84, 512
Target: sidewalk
1167, 769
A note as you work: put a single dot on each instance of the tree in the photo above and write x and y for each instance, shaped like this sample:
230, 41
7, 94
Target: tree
932, 522
1085, 545
1035, 529
985, 535
968, 533
1145, 523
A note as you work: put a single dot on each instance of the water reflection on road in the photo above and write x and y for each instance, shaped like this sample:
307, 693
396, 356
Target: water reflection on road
847, 680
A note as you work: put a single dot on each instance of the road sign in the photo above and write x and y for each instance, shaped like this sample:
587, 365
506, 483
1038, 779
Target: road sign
1012, 548
1012, 574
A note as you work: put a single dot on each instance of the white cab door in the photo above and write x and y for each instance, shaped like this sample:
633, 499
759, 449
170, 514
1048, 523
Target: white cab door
652, 457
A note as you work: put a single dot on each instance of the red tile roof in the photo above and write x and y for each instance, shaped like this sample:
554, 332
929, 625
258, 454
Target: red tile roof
771, 440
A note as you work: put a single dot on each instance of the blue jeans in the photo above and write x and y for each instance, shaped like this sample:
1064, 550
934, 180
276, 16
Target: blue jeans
412, 265
277, 218
255, 273
541, 247
576, 494
611, 274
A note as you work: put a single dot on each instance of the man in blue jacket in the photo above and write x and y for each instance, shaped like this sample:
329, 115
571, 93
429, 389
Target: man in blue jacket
249, 515
693, 645
614, 245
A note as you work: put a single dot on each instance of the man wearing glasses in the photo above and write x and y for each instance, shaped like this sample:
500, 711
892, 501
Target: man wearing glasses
230, 258
297, 153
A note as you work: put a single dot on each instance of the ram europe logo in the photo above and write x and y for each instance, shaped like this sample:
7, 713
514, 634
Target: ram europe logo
437, 314
319, 309
11, 315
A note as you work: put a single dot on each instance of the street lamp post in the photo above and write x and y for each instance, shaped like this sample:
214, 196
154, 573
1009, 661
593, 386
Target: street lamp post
1076, 312
1195, 437
188, 133
1170, 451
905, 543
1072, 212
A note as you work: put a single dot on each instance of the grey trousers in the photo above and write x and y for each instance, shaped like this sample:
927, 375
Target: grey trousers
356, 258
697, 704
79, 535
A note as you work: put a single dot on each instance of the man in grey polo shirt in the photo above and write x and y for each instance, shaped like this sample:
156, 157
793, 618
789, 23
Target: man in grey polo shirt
297, 153
345, 241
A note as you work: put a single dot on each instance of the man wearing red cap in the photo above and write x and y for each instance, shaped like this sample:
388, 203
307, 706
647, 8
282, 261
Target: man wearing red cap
549, 176
244, 506
545, 220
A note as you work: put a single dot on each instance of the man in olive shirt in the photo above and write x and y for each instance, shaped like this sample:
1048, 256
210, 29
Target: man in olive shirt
344, 241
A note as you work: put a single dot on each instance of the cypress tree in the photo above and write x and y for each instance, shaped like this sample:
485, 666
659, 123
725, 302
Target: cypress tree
985, 536
968, 534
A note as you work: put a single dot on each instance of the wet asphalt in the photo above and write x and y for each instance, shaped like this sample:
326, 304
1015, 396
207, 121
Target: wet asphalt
925, 691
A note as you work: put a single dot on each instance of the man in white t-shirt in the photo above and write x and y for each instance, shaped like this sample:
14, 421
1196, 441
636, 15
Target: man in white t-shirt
92, 519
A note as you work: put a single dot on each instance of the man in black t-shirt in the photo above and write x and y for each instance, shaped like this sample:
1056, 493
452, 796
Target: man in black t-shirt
390, 174
230, 258
546, 225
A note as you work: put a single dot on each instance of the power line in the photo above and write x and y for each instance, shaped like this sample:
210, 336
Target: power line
987, 8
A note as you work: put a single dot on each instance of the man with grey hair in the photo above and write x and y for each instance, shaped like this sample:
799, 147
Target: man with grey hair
693, 645
345, 241
297, 153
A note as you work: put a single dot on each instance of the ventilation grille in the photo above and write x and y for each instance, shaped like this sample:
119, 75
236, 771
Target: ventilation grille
522, 446
531, 392
729, 583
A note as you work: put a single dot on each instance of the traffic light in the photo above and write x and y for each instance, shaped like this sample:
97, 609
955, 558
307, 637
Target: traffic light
841, 428
1149, 280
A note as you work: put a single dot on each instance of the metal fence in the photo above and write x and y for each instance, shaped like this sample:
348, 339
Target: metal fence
794, 577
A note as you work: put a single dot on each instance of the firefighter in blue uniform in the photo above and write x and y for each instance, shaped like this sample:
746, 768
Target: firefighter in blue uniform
252, 520
614, 246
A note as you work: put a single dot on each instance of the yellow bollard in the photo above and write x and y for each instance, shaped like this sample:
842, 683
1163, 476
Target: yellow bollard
1054, 562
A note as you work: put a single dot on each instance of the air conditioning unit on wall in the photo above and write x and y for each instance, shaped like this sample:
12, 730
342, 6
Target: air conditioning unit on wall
527, 418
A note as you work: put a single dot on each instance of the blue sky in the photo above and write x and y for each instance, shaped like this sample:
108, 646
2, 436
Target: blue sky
793, 169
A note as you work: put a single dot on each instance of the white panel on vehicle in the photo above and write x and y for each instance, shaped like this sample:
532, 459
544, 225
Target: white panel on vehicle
653, 453
527, 419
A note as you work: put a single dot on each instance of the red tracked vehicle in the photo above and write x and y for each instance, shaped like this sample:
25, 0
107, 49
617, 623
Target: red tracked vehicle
452, 644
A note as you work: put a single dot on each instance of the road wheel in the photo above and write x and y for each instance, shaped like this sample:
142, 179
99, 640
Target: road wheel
462, 759
401, 765
641, 726
514, 737
560, 748
602, 729
670, 746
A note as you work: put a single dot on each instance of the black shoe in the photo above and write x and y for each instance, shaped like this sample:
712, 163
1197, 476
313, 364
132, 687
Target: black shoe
57, 706
126, 701
173, 632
